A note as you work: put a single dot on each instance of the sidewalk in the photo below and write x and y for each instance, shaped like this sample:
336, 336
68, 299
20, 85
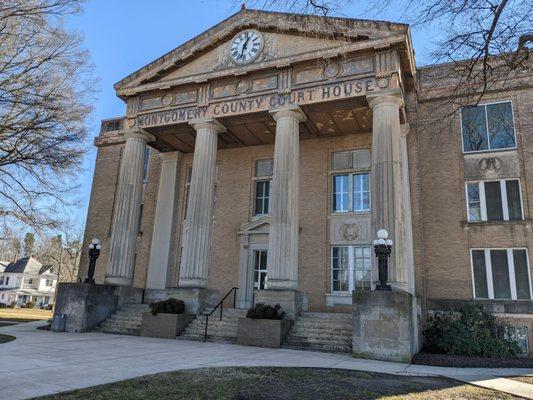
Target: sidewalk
42, 362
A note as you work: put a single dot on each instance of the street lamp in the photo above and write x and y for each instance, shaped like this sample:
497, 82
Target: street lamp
382, 249
94, 252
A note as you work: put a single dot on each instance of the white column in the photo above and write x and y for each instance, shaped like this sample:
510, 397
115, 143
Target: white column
127, 209
387, 180
283, 239
409, 257
199, 224
164, 221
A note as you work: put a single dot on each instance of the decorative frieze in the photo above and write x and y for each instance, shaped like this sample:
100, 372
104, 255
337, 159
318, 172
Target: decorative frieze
501, 165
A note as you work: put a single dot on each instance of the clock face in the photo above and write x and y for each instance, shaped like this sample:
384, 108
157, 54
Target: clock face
246, 47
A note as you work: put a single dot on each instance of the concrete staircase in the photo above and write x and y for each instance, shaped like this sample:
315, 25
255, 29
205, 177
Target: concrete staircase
125, 321
329, 332
224, 331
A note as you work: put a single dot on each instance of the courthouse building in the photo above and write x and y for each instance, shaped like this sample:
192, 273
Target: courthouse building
266, 152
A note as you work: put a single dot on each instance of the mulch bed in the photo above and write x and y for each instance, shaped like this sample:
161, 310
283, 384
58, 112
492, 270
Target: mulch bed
444, 360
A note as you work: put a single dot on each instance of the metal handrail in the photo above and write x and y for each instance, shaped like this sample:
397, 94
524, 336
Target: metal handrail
221, 305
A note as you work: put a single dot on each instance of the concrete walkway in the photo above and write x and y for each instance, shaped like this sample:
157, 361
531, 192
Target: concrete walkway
41, 362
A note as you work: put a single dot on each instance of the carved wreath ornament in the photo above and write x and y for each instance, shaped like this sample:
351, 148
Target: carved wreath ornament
350, 232
492, 164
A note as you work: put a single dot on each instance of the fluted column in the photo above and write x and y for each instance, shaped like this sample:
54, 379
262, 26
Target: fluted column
283, 239
387, 180
199, 224
164, 221
125, 225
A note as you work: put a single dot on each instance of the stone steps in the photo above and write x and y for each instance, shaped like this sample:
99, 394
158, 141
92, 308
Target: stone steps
125, 321
330, 332
217, 331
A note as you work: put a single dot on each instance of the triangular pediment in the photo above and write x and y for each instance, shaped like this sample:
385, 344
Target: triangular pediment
256, 226
285, 37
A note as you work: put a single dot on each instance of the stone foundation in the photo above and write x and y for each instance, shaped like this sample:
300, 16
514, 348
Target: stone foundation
87, 305
386, 325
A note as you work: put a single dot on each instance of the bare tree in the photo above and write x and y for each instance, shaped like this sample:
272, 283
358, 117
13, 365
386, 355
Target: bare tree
63, 251
46, 87
485, 42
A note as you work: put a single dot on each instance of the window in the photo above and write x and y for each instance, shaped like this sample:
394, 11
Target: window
351, 189
351, 268
494, 200
48, 282
187, 189
30, 281
1, 280
517, 334
146, 163
260, 269
501, 274
7, 280
262, 182
488, 127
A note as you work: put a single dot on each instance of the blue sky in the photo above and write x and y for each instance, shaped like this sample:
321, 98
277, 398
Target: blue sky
124, 35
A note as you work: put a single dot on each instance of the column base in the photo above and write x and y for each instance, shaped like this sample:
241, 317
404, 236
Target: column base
193, 283
117, 280
196, 299
274, 284
386, 325
292, 302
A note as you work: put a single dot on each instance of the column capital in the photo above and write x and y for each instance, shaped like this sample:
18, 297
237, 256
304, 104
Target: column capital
170, 156
385, 99
404, 129
207, 123
288, 112
138, 133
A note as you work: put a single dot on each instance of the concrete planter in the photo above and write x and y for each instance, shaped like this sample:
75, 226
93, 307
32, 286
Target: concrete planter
163, 325
262, 332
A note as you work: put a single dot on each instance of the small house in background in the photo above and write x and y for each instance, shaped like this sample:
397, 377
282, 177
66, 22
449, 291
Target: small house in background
27, 282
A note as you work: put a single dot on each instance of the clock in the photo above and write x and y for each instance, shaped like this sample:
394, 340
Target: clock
246, 47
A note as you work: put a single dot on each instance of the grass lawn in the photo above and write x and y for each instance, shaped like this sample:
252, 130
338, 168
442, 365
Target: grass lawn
6, 338
523, 379
281, 384
24, 314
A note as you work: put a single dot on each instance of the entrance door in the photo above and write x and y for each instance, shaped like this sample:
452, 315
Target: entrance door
260, 257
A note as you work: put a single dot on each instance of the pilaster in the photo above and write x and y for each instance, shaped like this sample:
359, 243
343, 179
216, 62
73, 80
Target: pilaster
164, 221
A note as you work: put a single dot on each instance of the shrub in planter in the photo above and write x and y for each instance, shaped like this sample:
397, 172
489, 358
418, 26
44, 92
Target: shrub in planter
170, 306
263, 326
3, 305
166, 319
265, 311
30, 304
470, 331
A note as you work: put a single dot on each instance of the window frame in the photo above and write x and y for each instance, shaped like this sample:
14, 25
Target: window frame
262, 178
485, 104
488, 272
483, 200
351, 267
351, 205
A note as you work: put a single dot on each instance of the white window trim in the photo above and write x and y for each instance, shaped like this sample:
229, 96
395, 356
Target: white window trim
261, 178
483, 201
351, 208
488, 272
351, 267
486, 122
